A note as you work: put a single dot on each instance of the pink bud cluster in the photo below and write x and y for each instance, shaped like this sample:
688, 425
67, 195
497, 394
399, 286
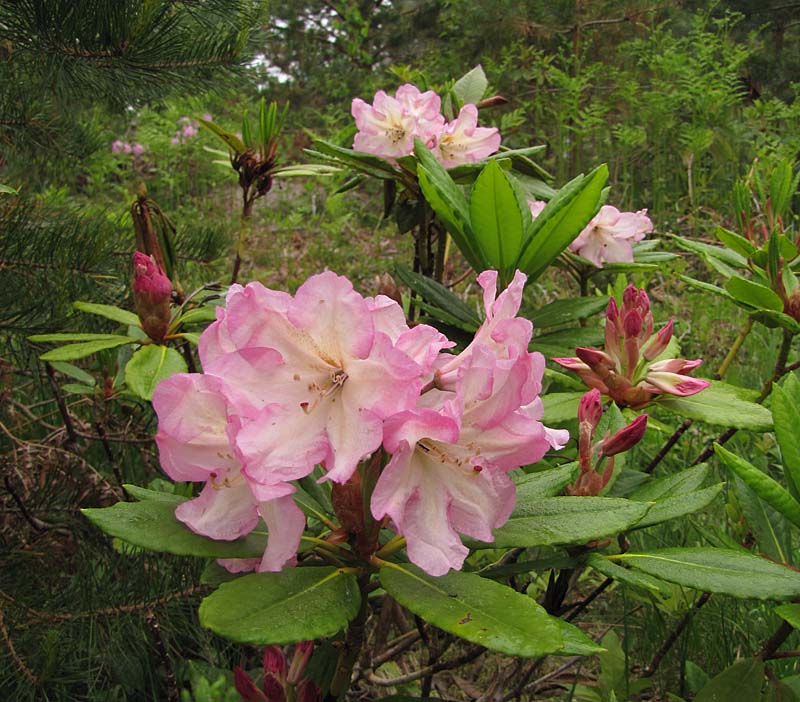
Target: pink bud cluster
596, 459
329, 377
151, 294
281, 682
388, 127
187, 130
124, 148
630, 371
609, 236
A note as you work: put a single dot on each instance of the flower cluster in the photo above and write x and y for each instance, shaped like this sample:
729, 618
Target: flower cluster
187, 129
596, 458
628, 370
609, 236
328, 377
388, 127
125, 148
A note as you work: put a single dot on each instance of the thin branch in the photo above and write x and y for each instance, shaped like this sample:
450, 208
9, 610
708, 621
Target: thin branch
463, 659
669, 642
24, 669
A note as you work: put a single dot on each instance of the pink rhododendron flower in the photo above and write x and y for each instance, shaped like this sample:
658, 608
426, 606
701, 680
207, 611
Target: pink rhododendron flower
385, 128
627, 371
536, 207
463, 141
610, 234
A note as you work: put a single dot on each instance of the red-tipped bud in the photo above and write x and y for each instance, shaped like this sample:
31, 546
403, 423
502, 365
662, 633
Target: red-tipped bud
307, 691
594, 358
246, 687
626, 437
590, 409
300, 659
632, 325
274, 689
275, 662
612, 311
151, 295
630, 298
643, 302
657, 346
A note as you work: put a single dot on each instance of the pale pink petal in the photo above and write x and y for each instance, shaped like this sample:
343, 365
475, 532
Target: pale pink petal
431, 542
676, 384
481, 501
675, 365
224, 510
239, 565
462, 141
285, 524
537, 206
353, 434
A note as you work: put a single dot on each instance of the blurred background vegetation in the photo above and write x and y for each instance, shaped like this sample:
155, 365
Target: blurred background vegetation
98, 97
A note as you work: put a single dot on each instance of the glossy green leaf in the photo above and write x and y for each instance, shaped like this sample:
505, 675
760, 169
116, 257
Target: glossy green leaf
206, 313
724, 261
563, 342
679, 483
149, 365
679, 506
497, 219
439, 297
741, 682
725, 571
565, 311
576, 643
767, 488
93, 344
561, 221
771, 530
722, 405
546, 483
151, 524
357, 160
567, 520
735, 242
109, 312
296, 604
786, 414
707, 287
753, 294
789, 613
233, 142
626, 576
476, 609
560, 407
471, 86
74, 372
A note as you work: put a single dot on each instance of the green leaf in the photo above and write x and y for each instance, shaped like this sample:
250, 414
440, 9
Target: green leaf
110, 312
707, 287
439, 297
547, 483
567, 520
150, 365
768, 489
576, 643
679, 506
735, 242
469, 89
741, 682
74, 372
8, 190
151, 524
641, 581
753, 294
678, 484
561, 221
563, 342
725, 571
308, 169
719, 404
233, 142
790, 613
786, 413
206, 313
771, 530
475, 609
497, 220
357, 160
722, 260
72, 352
448, 202
296, 604
561, 407
565, 311
77, 389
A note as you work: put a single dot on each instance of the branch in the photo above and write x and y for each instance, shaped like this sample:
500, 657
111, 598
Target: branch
463, 659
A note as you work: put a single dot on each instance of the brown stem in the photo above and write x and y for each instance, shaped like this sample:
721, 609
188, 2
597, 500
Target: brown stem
172, 683
669, 642
770, 647
457, 662
72, 439
351, 648
665, 449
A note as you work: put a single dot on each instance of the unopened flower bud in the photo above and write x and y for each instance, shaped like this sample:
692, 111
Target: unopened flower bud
658, 345
274, 689
275, 662
151, 293
307, 691
632, 324
246, 687
300, 659
590, 409
625, 438
630, 297
594, 358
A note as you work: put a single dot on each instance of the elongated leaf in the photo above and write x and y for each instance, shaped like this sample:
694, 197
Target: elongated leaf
786, 413
109, 311
707, 287
560, 407
789, 613
568, 520
547, 483
439, 297
151, 524
207, 313
233, 142
576, 643
679, 506
735, 242
641, 581
74, 372
771, 529
678, 484
357, 160
565, 311
150, 365
471, 86
561, 221
768, 489
729, 572
297, 604
563, 342
722, 260
74, 336
722, 405
476, 609
741, 681
753, 294
497, 220
72, 352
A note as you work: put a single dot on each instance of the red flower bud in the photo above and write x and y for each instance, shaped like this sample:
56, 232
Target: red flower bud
275, 662
300, 659
246, 687
151, 295
626, 437
307, 691
659, 344
590, 409
274, 689
594, 358
632, 324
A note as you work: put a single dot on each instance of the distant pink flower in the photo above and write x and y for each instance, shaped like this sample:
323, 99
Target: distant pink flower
627, 370
138, 149
189, 131
463, 141
117, 146
126, 147
207, 117
536, 207
610, 234
175, 141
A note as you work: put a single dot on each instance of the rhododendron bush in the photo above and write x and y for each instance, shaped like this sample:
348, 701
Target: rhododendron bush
413, 444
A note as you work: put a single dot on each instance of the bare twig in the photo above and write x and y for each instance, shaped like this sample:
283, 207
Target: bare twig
669, 642
24, 669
